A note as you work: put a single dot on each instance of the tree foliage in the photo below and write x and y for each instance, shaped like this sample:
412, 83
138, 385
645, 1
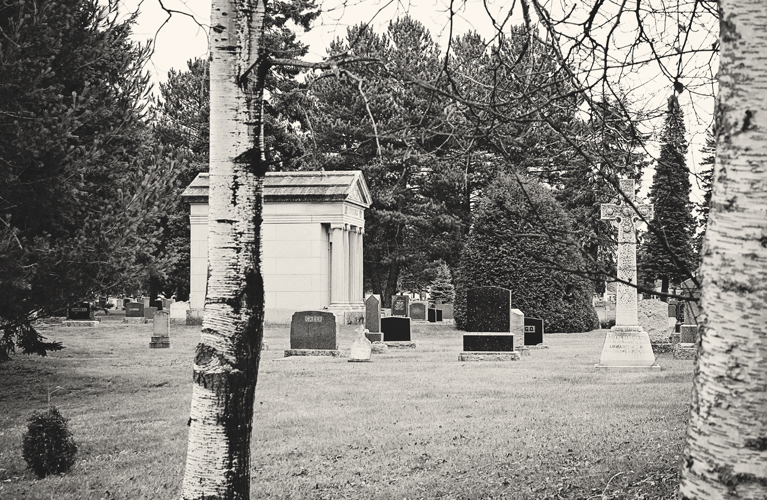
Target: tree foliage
373, 119
523, 240
668, 252
81, 182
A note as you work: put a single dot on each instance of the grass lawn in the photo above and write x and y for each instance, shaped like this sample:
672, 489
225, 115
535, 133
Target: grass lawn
411, 424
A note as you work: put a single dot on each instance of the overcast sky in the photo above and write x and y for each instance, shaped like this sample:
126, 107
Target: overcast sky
179, 39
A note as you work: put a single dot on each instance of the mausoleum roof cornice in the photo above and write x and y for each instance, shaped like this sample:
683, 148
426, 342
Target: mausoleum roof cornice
348, 186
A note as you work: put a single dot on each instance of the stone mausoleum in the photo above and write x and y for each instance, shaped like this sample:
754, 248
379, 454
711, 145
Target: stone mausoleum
311, 236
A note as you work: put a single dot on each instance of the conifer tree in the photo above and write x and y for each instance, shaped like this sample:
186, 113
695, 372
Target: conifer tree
668, 247
82, 184
442, 288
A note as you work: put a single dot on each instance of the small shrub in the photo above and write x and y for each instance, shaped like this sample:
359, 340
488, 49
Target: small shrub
607, 324
48, 447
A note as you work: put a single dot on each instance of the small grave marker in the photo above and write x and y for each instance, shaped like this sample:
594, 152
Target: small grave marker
373, 318
361, 347
418, 311
533, 331
400, 305
160, 330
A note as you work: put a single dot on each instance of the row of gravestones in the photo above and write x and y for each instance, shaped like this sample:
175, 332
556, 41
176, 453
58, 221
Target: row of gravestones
491, 326
417, 311
160, 319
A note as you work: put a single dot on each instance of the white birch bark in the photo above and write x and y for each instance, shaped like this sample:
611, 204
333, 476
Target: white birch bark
226, 359
726, 453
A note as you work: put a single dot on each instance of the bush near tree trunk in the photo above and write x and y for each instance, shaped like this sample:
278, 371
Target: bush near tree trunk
522, 240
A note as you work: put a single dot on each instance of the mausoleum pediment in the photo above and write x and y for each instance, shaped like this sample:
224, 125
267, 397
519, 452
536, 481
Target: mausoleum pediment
318, 186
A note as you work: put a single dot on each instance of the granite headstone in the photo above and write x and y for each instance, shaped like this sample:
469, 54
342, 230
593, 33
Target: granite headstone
80, 312
400, 305
488, 309
533, 331
418, 311
134, 310
395, 329
313, 330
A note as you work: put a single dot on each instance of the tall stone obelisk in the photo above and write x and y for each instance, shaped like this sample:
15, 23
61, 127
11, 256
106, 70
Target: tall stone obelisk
626, 344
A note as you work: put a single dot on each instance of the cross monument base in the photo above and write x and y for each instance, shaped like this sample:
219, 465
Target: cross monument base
627, 347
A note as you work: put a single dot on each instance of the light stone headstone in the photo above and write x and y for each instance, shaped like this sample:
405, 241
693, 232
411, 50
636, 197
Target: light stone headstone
361, 347
160, 330
652, 316
626, 345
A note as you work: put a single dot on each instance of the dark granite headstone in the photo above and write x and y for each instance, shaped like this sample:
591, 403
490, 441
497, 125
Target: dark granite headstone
134, 310
126, 302
373, 314
533, 331
149, 312
400, 305
313, 330
438, 313
672, 310
157, 304
488, 309
432, 315
395, 329
418, 311
488, 342
689, 334
80, 312
447, 310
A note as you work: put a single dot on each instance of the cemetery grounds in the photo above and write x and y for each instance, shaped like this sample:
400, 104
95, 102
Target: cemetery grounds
410, 424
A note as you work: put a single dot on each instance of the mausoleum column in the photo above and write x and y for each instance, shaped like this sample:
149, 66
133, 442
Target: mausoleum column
358, 277
338, 284
355, 266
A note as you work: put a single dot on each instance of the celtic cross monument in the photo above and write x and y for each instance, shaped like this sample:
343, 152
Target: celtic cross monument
626, 344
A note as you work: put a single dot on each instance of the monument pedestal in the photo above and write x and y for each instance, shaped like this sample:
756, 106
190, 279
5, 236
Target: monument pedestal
627, 347
83, 323
313, 352
399, 344
490, 356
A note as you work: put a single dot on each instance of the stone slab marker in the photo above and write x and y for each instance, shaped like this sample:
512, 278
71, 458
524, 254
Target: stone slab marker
400, 305
418, 311
626, 344
373, 318
160, 330
361, 347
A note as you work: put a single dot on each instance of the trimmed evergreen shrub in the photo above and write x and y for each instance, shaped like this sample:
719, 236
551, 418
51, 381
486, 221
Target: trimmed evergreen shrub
48, 447
509, 247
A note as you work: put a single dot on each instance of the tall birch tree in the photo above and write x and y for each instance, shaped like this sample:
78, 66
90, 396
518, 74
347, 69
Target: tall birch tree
726, 454
227, 357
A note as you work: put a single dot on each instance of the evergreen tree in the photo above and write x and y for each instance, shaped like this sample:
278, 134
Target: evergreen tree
391, 131
667, 248
82, 183
442, 288
706, 178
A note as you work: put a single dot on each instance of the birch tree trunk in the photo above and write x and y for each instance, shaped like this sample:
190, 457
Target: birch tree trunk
227, 357
726, 453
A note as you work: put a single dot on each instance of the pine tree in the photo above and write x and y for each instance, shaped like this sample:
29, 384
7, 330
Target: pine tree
442, 288
706, 177
82, 183
667, 252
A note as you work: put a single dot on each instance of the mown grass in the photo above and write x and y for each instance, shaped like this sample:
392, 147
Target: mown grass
410, 424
